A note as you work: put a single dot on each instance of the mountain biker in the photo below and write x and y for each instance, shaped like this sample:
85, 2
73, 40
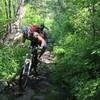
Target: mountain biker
35, 38
40, 30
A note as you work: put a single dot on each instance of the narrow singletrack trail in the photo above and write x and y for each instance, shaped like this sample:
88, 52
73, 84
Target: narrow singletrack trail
38, 88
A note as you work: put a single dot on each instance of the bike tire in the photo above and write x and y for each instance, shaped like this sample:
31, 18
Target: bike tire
23, 80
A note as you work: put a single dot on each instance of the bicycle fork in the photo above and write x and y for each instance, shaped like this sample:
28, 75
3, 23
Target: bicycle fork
27, 67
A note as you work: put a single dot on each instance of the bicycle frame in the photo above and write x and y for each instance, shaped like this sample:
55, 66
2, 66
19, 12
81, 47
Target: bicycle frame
29, 61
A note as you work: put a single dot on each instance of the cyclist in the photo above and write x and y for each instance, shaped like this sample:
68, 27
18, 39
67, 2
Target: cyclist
40, 30
35, 38
39, 40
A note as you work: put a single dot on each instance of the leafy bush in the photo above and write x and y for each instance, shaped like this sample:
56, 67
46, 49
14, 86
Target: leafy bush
76, 66
11, 61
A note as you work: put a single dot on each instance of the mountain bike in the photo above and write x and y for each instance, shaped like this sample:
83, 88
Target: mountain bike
29, 66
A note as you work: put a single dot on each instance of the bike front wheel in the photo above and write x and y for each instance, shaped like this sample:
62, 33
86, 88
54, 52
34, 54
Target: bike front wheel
23, 80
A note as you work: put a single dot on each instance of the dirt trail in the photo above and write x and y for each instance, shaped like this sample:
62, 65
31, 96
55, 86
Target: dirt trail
37, 89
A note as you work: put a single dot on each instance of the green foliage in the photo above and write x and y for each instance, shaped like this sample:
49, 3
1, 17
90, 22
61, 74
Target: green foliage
30, 16
76, 28
78, 49
5, 15
33, 16
11, 61
76, 66
89, 90
80, 21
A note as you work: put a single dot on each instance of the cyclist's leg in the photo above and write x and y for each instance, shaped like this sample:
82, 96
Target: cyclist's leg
35, 62
42, 51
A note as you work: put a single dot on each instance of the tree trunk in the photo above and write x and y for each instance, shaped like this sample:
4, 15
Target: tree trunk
10, 16
6, 10
15, 7
20, 13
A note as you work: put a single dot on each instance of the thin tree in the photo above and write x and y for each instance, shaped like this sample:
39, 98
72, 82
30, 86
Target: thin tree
6, 10
10, 15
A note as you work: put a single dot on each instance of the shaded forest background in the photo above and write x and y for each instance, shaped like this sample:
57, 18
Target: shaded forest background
75, 26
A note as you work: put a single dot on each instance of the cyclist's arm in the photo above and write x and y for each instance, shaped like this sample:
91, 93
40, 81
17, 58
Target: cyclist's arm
43, 42
23, 39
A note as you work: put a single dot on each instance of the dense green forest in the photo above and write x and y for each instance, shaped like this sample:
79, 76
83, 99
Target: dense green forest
75, 28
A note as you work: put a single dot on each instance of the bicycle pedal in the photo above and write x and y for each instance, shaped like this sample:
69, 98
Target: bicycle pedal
25, 73
36, 78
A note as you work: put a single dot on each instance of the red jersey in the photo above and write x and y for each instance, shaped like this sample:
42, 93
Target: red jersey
34, 28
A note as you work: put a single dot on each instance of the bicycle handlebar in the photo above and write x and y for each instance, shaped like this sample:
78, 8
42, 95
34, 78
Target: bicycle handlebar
35, 47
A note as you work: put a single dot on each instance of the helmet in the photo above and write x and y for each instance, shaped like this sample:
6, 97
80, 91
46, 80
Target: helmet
35, 34
25, 30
